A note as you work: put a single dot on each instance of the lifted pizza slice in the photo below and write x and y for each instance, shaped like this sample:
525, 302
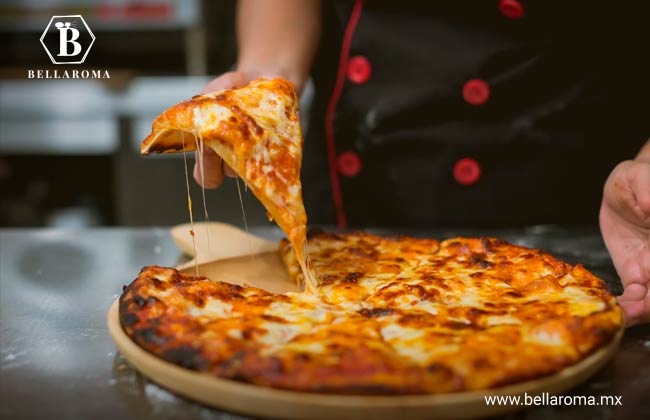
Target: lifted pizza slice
256, 130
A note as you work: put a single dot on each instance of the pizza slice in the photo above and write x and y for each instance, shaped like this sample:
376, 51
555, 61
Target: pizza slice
256, 130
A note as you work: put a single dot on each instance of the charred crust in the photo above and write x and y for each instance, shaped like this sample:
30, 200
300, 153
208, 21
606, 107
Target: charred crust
274, 367
149, 337
303, 357
479, 260
454, 325
186, 356
482, 363
236, 290
363, 252
139, 301
438, 367
422, 292
248, 333
230, 366
198, 301
487, 243
474, 312
244, 131
412, 318
127, 319
352, 277
327, 279
273, 318
176, 276
375, 312
160, 285
253, 366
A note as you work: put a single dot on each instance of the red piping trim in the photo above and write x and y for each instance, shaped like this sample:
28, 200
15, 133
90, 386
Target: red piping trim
337, 195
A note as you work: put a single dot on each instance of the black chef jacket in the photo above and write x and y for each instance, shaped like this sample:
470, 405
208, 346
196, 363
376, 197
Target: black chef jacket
472, 113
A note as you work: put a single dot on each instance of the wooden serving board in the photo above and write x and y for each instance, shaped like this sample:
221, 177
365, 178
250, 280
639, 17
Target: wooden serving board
217, 241
266, 270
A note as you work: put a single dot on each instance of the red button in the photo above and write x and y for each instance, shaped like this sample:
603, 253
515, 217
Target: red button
511, 9
476, 92
359, 69
467, 171
349, 163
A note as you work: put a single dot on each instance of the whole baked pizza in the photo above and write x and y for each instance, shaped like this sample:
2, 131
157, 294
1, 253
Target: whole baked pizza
395, 315
379, 315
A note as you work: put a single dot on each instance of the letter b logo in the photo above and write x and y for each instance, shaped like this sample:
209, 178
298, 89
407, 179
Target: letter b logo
67, 39
67, 35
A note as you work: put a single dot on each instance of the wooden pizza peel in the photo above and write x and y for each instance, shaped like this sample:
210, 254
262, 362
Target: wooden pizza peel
233, 256
229, 259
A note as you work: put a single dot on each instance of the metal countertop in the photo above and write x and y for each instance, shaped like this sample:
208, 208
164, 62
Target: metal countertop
57, 359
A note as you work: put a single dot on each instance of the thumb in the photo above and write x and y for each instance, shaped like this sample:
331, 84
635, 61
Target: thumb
212, 174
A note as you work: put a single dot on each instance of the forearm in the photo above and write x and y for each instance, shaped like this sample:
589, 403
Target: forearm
278, 37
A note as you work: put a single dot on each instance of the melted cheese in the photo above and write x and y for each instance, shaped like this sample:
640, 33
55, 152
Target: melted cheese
189, 206
256, 130
213, 308
452, 316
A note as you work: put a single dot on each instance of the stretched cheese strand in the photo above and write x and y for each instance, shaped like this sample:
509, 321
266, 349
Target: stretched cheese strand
199, 147
200, 144
243, 213
299, 244
189, 205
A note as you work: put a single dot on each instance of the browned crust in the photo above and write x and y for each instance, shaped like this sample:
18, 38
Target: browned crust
165, 130
355, 364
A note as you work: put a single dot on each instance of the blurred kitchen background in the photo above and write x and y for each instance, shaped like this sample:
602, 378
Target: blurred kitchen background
69, 149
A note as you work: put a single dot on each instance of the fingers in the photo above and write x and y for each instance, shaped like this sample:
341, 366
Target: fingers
227, 81
639, 181
212, 174
229, 171
634, 292
636, 311
635, 299
213, 168
627, 191
618, 192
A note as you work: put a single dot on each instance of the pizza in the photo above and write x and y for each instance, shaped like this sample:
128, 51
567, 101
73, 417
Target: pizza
256, 130
390, 315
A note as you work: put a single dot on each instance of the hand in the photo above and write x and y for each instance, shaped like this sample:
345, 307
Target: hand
213, 167
625, 225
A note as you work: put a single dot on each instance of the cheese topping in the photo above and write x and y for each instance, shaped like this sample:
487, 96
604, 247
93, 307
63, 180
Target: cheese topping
256, 131
390, 315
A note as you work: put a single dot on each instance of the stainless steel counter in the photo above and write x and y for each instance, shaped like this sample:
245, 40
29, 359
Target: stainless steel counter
58, 361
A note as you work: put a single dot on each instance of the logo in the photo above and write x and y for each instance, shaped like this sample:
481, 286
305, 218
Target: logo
67, 39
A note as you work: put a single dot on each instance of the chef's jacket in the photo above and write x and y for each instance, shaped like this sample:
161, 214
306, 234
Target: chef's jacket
472, 113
